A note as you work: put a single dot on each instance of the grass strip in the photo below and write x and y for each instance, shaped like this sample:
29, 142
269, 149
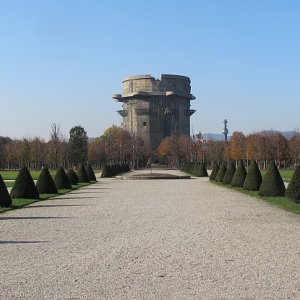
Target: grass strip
20, 202
282, 202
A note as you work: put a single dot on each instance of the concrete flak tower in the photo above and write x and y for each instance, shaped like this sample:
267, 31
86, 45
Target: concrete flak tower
156, 108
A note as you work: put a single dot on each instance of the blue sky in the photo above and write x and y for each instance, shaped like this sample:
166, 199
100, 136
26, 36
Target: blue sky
61, 61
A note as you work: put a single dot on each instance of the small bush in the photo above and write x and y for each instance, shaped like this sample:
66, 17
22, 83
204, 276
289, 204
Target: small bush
90, 172
201, 171
293, 189
229, 173
5, 199
61, 179
24, 186
45, 183
221, 173
253, 179
195, 168
239, 175
272, 184
82, 174
106, 171
73, 178
214, 171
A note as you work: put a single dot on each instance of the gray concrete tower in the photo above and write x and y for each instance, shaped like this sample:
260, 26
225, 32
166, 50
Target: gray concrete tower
156, 108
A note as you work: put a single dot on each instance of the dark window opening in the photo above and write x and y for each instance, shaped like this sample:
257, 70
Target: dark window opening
144, 124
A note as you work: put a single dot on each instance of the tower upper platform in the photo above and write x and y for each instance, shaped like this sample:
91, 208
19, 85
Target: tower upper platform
146, 85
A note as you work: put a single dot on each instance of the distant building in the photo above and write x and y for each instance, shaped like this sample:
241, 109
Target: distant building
156, 108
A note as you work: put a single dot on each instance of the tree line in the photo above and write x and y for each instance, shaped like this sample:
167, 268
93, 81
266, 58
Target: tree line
115, 145
261, 146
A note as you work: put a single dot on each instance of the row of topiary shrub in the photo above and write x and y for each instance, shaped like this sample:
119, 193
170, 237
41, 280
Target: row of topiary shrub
24, 186
271, 185
114, 169
197, 169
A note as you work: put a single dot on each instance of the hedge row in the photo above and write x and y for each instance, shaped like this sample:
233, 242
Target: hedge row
197, 169
115, 169
24, 186
271, 185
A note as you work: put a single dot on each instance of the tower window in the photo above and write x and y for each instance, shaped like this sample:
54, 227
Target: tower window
144, 123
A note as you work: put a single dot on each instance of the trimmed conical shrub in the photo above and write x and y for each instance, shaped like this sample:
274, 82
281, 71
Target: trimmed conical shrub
45, 183
253, 179
73, 178
61, 179
214, 171
24, 186
293, 189
201, 171
239, 175
229, 173
195, 168
221, 173
5, 199
82, 174
272, 184
90, 173
106, 171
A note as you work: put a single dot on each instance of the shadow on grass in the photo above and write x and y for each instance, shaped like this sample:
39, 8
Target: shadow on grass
22, 242
21, 203
282, 202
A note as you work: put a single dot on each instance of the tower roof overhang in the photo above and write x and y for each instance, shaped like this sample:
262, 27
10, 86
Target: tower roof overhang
121, 98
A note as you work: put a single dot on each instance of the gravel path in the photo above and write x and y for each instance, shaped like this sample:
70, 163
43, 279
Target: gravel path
150, 239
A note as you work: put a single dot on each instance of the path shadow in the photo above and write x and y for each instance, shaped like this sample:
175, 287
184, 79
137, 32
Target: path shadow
75, 198
31, 218
96, 189
53, 205
83, 192
22, 242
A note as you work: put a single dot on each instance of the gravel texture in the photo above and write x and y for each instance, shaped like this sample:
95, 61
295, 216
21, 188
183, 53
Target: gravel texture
160, 239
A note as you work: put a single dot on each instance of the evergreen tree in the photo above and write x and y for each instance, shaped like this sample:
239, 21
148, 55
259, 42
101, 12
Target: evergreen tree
272, 183
91, 173
73, 178
253, 178
229, 173
45, 183
293, 189
78, 145
61, 179
239, 175
82, 174
221, 173
214, 171
24, 186
5, 199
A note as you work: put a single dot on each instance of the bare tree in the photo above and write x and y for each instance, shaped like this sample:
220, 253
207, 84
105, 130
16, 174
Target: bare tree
54, 144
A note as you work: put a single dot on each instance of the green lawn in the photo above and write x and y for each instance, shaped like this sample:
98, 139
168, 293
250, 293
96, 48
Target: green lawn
282, 202
9, 184
12, 175
285, 174
19, 203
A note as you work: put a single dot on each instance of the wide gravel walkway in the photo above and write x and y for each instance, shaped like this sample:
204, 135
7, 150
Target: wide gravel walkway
150, 239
